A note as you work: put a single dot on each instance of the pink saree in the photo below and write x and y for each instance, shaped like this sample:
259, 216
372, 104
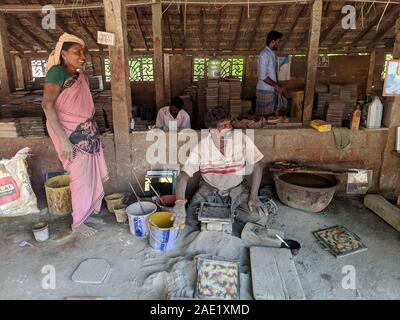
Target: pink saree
88, 170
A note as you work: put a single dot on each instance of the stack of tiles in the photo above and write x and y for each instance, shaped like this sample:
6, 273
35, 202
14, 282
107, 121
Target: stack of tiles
334, 113
235, 101
9, 128
32, 127
212, 94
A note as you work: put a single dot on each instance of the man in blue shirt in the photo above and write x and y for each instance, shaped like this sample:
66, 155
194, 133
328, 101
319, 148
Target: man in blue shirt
268, 89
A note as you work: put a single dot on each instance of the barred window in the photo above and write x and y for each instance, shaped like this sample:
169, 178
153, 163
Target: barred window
230, 67
140, 69
388, 57
38, 67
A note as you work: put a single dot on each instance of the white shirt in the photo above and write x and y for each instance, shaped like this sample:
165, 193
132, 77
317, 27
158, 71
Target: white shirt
223, 171
164, 117
266, 67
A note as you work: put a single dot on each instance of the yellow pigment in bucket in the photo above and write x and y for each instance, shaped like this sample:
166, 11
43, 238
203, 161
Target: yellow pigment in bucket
58, 195
113, 200
163, 235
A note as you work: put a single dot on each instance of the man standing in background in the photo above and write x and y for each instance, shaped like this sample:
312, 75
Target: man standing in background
267, 89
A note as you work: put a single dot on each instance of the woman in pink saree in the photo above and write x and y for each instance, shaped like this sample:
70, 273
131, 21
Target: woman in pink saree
69, 110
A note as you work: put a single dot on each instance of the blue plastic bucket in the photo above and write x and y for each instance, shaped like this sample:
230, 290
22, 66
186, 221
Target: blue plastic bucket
163, 234
138, 220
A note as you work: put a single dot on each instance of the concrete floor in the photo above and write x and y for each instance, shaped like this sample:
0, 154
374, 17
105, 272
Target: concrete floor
133, 260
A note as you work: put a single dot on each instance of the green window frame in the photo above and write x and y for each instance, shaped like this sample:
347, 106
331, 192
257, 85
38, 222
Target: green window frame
140, 69
230, 67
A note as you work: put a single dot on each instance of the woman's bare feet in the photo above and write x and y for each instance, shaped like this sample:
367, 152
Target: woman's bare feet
84, 230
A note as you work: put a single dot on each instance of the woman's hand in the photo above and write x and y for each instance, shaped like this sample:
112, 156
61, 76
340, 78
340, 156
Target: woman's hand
67, 149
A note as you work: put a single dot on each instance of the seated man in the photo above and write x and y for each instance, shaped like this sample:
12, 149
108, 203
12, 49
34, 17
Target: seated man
221, 158
173, 116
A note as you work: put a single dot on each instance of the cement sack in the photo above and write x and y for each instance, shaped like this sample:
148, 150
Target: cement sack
16, 195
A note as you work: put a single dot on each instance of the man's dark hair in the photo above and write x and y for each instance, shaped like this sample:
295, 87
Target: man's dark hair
273, 35
177, 102
215, 116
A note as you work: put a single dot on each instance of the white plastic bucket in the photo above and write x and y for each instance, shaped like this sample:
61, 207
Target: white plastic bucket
138, 220
41, 231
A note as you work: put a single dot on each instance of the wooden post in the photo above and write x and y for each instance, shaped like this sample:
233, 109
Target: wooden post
19, 72
389, 179
167, 78
158, 60
371, 69
6, 72
116, 23
312, 59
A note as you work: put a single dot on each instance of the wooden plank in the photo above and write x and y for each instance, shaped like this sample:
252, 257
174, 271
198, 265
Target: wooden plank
237, 32
391, 120
218, 30
6, 72
384, 209
274, 275
312, 60
19, 73
371, 69
116, 22
136, 15
331, 26
169, 30
158, 59
201, 21
167, 78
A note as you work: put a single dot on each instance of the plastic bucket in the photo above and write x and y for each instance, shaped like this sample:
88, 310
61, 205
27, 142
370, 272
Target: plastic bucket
41, 231
120, 213
58, 195
167, 203
163, 234
138, 220
113, 200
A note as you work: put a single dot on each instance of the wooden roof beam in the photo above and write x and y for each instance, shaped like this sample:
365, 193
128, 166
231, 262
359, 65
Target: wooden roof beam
181, 20
19, 40
242, 17
298, 15
87, 30
15, 21
256, 22
202, 27
136, 14
370, 25
218, 30
167, 23
282, 13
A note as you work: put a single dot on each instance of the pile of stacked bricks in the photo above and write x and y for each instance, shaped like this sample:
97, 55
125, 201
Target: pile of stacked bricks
336, 102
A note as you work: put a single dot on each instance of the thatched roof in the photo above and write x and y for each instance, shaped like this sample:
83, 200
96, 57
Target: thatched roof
193, 28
